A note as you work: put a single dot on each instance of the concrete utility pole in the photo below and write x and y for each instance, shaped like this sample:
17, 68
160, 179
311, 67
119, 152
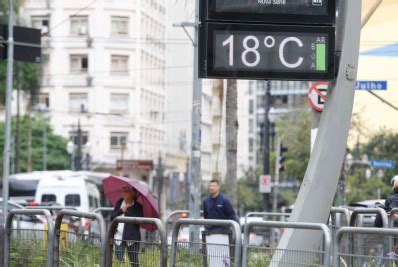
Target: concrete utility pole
187, 183
231, 138
196, 176
321, 178
7, 129
276, 179
266, 150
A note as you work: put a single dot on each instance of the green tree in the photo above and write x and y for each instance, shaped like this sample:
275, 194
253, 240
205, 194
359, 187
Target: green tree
297, 138
359, 189
383, 145
58, 158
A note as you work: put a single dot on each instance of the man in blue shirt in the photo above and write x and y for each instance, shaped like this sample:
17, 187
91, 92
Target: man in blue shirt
217, 206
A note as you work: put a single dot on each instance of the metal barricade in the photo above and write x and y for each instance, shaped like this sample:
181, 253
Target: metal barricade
392, 221
144, 254
339, 217
266, 254
217, 248
374, 211
79, 249
101, 211
266, 214
29, 247
169, 220
365, 242
375, 255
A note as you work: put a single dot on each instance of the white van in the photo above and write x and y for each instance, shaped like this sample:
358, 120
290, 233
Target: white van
70, 190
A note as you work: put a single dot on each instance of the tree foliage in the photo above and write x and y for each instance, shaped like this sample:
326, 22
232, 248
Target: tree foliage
296, 136
383, 145
58, 158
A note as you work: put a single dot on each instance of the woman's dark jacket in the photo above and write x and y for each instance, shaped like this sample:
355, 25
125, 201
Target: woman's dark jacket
131, 231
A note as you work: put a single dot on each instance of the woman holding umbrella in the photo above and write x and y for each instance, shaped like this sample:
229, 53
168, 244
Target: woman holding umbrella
128, 235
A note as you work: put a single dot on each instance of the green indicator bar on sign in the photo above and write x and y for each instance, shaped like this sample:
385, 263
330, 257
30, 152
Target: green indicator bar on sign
321, 57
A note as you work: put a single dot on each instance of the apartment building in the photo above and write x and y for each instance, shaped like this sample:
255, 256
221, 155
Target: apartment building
104, 67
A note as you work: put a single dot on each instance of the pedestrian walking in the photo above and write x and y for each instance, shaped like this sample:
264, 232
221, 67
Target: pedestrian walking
128, 236
217, 206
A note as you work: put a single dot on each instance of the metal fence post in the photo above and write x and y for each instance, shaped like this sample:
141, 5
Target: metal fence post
135, 220
327, 240
88, 215
205, 222
7, 239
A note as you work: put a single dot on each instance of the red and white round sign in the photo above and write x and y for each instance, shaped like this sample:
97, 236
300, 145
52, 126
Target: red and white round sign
317, 95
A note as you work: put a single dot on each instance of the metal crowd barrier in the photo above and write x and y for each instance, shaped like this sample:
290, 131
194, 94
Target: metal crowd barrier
340, 217
218, 248
264, 255
374, 256
343, 211
153, 253
100, 210
367, 242
391, 217
28, 248
374, 211
169, 220
77, 249
266, 214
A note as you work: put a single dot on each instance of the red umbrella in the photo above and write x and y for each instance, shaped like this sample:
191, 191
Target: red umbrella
113, 186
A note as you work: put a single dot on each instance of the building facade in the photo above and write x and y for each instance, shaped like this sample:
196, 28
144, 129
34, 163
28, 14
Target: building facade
104, 67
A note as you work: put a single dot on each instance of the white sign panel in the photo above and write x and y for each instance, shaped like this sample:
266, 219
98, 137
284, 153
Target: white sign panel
265, 184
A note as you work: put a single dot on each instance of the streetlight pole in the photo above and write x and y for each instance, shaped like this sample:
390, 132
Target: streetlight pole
266, 130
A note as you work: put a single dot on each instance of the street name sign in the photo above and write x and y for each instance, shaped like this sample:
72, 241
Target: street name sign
317, 95
371, 85
383, 164
264, 51
271, 11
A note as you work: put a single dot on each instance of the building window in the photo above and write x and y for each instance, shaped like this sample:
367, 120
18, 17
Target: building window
44, 100
78, 102
251, 106
251, 145
251, 126
119, 103
120, 26
119, 65
41, 22
45, 63
78, 63
74, 138
79, 25
118, 140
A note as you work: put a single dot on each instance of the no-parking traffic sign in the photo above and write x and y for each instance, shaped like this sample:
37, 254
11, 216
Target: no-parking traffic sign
317, 95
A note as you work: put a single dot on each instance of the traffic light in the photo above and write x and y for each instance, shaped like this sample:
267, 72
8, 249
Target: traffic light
282, 157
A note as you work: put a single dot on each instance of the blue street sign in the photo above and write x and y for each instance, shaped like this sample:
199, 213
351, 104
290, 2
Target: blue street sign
371, 85
383, 164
